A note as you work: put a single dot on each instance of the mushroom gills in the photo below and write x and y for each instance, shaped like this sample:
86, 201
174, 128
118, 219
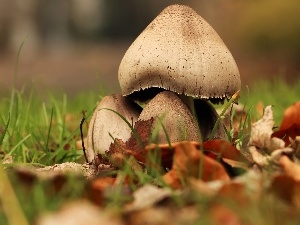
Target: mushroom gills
207, 117
106, 123
169, 110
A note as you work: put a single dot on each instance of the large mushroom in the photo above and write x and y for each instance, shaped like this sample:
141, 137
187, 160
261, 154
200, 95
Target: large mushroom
180, 52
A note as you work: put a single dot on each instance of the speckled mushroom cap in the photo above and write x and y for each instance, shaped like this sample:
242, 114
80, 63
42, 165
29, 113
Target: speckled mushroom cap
176, 117
181, 52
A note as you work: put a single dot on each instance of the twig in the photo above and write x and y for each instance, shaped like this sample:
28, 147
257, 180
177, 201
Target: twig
81, 134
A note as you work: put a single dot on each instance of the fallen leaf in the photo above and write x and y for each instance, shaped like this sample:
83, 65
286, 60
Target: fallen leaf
291, 116
96, 189
289, 168
78, 213
222, 215
147, 196
225, 148
287, 188
230, 197
288, 134
296, 146
189, 162
165, 216
261, 133
290, 125
234, 191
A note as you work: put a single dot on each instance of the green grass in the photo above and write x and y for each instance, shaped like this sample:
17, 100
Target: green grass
42, 129
274, 92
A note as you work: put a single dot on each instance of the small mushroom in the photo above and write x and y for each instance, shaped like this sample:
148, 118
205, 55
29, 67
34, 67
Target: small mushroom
179, 51
105, 122
168, 110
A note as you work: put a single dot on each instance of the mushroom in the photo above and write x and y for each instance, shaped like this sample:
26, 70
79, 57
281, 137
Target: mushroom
168, 110
106, 122
179, 51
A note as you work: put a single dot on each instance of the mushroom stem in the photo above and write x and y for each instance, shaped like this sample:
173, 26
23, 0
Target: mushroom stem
189, 101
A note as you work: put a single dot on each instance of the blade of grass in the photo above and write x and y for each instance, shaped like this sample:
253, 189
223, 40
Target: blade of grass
165, 131
9, 201
49, 131
19, 143
220, 118
5, 129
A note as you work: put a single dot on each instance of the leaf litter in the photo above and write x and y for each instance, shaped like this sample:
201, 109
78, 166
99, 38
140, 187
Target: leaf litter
198, 180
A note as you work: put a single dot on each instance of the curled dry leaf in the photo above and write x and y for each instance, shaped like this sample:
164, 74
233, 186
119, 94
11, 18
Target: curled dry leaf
290, 125
189, 162
289, 134
261, 133
262, 146
291, 116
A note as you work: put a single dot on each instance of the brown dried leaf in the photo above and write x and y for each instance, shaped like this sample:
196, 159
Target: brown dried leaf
143, 129
288, 134
290, 126
225, 148
189, 162
287, 188
97, 187
290, 168
165, 216
222, 215
119, 151
291, 116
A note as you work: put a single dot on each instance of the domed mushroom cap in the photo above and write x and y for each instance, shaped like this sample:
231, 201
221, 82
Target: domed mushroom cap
105, 121
175, 116
181, 52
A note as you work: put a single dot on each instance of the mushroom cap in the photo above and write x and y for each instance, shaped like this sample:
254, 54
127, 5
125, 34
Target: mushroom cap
106, 121
175, 116
181, 52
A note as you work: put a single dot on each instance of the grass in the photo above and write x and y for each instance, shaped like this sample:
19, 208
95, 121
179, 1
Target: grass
42, 131
274, 92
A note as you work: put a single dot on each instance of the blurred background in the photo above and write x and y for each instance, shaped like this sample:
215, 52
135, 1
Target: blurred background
76, 45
